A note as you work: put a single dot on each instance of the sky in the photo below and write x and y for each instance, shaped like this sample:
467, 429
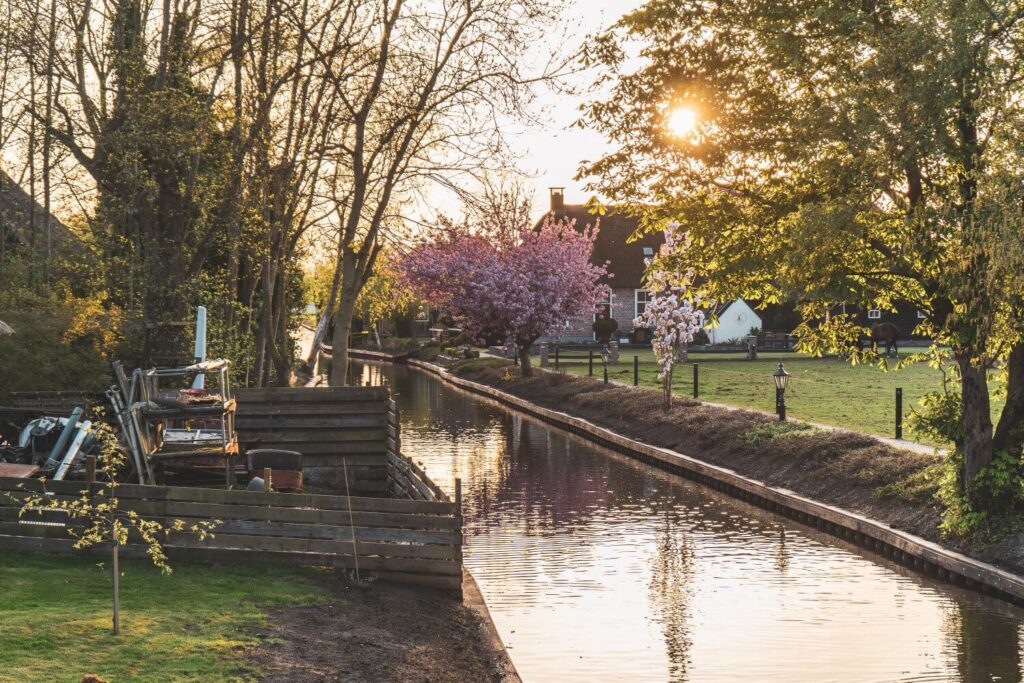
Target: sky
551, 153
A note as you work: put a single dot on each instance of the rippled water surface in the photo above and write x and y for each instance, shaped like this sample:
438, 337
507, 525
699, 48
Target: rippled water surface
599, 568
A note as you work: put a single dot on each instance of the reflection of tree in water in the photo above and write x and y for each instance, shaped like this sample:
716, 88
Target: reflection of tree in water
671, 576
986, 642
782, 554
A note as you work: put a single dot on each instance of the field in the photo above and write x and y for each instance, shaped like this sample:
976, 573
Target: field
823, 390
195, 624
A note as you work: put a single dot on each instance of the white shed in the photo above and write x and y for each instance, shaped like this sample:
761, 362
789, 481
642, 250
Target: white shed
734, 322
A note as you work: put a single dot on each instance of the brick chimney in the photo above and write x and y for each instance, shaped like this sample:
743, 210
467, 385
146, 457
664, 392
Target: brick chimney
557, 199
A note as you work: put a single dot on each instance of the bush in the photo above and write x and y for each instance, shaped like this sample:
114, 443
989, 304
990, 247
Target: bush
766, 432
476, 366
58, 345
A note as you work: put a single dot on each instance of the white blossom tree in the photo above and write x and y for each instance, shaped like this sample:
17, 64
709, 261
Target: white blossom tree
672, 312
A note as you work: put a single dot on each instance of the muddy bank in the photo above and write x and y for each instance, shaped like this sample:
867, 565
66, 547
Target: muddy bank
380, 632
844, 469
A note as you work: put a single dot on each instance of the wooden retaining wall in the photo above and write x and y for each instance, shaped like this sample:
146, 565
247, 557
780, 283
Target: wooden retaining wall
333, 427
410, 541
406, 478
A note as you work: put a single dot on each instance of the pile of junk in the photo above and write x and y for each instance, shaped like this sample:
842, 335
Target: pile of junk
175, 424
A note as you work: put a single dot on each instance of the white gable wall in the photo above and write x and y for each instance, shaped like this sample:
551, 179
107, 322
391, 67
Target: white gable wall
734, 323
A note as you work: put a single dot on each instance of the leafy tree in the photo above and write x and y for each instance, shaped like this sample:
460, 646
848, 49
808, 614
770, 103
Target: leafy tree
96, 517
672, 311
515, 291
864, 152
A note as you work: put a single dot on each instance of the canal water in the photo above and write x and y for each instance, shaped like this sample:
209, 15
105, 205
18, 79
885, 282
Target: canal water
596, 567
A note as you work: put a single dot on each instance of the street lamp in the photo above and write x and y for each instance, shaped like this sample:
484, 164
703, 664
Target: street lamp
781, 380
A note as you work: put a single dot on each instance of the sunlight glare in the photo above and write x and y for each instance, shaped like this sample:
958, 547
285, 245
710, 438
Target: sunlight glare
682, 121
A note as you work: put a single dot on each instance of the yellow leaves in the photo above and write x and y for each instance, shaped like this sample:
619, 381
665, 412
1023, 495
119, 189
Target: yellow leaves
95, 323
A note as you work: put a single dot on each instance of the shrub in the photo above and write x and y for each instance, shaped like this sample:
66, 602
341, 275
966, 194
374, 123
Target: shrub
766, 432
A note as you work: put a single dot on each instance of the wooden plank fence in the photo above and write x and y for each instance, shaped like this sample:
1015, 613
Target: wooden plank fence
411, 541
407, 479
335, 428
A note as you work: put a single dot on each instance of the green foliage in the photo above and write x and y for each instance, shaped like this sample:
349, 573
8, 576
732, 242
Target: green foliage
918, 488
765, 432
845, 153
475, 366
991, 508
62, 341
940, 416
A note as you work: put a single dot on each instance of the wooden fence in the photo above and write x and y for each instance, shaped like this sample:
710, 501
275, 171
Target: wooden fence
406, 478
411, 541
335, 428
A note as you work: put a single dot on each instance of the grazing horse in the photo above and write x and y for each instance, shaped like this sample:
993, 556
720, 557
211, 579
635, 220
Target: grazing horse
887, 334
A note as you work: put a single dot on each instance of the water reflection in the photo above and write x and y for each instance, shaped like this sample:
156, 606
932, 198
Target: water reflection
597, 567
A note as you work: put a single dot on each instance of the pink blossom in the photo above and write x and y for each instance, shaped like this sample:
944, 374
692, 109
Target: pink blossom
514, 292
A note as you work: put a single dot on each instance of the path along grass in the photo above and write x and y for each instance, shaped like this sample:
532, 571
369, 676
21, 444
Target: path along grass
824, 390
193, 625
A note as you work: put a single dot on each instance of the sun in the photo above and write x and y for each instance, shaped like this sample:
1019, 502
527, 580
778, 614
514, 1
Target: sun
682, 121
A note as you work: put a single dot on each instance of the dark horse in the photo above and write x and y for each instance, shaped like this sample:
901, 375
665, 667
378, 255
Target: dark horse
885, 333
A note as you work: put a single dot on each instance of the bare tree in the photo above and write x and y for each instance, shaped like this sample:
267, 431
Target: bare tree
425, 91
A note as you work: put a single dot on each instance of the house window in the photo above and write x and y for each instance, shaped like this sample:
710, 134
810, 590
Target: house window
875, 314
641, 297
920, 314
648, 252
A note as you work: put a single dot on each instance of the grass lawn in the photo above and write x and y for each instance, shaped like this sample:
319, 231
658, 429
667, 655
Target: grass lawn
824, 390
55, 618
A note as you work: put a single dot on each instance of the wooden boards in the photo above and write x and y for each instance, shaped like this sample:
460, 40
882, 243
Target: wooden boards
331, 427
413, 541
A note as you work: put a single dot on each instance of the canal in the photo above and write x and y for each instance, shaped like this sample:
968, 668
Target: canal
596, 567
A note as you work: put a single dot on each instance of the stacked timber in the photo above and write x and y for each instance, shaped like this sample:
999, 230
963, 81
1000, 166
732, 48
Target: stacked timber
336, 429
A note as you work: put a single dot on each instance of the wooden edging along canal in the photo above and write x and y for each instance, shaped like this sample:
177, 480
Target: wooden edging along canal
900, 546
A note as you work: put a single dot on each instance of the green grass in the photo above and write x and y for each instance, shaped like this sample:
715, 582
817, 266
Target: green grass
823, 390
193, 625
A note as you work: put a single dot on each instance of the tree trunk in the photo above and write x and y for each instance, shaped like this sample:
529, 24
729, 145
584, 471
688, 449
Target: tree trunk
666, 387
1009, 435
976, 420
342, 332
524, 360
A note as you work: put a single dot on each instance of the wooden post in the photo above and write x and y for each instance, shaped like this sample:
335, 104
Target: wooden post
606, 373
458, 497
899, 412
90, 469
696, 381
351, 522
117, 585
268, 473
636, 371
590, 363
556, 358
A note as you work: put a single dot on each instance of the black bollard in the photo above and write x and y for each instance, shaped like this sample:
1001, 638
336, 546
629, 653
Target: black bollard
636, 371
696, 382
590, 363
606, 373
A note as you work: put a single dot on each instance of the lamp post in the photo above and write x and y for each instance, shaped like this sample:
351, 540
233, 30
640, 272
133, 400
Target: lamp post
781, 380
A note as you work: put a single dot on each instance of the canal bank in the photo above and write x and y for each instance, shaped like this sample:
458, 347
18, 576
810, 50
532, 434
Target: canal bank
922, 554
597, 566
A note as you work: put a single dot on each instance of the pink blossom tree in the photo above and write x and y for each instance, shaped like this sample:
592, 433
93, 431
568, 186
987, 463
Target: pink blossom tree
671, 312
515, 291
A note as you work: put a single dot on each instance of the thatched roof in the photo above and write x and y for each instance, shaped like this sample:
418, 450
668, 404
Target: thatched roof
5, 329
19, 215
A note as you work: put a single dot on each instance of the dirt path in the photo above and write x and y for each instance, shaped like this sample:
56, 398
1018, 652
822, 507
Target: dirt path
379, 633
